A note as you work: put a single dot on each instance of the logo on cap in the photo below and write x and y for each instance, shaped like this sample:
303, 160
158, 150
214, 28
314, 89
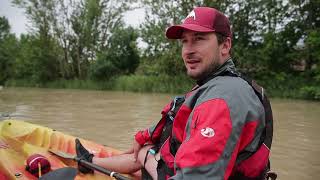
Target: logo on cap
191, 14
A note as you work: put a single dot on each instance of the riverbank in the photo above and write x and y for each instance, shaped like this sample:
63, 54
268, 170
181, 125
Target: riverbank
289, 88
134, 83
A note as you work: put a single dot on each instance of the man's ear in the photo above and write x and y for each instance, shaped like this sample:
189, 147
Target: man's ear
226, 47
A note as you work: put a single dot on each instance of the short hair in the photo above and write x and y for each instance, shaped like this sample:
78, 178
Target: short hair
221, 38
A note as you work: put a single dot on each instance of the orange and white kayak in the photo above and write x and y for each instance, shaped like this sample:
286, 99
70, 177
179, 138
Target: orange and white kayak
20, 140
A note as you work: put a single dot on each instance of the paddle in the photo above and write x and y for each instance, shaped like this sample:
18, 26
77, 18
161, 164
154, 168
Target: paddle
89, 165
67, 173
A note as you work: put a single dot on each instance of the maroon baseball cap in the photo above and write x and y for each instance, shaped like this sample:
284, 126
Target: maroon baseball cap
202, 19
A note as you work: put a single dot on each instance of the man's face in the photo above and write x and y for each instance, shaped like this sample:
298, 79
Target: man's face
200, 53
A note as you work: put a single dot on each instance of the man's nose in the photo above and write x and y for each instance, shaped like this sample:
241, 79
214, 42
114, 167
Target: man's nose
188, 48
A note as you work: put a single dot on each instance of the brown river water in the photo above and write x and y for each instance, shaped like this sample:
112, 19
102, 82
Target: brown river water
112, 118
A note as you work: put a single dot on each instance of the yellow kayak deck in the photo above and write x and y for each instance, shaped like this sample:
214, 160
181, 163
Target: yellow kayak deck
20, 139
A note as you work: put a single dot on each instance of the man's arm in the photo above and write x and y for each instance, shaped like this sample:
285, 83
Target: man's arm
152, 135
212, 142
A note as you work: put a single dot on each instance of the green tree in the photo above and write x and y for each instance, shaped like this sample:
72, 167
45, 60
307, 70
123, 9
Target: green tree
71, 33
45, 54
120, 57
8, 47
24, 63
306, 23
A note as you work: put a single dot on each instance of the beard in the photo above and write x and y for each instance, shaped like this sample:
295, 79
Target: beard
207, 70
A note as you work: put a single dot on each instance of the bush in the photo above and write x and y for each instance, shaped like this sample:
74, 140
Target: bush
310, 92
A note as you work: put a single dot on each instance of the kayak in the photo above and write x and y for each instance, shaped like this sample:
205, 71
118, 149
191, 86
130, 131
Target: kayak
20, 140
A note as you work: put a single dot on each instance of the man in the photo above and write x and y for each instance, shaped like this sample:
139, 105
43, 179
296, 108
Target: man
218, 130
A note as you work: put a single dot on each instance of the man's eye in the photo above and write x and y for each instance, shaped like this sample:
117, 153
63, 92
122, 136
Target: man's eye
198, 38
183, 41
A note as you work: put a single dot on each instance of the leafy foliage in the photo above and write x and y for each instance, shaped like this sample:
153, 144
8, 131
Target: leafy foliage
275, 42
79, 29
8, 46
120, 57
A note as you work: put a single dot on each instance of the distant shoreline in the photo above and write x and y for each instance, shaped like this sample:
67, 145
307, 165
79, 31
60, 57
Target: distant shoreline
166, 84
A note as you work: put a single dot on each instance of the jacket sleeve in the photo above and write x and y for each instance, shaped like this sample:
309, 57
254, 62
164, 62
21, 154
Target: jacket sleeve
211, 143
152, 135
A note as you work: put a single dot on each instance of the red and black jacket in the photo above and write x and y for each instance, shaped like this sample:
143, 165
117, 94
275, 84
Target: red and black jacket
222, 130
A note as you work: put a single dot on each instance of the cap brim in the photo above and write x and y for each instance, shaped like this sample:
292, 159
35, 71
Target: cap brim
175, 32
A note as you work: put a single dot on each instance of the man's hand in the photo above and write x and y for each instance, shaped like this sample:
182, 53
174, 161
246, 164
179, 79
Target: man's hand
134, 150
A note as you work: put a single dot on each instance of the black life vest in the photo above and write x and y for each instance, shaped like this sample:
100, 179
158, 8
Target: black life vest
244, 158
169, 117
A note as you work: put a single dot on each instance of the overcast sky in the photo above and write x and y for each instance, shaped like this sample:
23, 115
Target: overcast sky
18, 21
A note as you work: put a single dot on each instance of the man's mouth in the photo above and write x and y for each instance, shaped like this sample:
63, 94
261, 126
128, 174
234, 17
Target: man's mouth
192, 63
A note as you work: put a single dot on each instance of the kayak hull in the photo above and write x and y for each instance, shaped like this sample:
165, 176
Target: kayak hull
19, 140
